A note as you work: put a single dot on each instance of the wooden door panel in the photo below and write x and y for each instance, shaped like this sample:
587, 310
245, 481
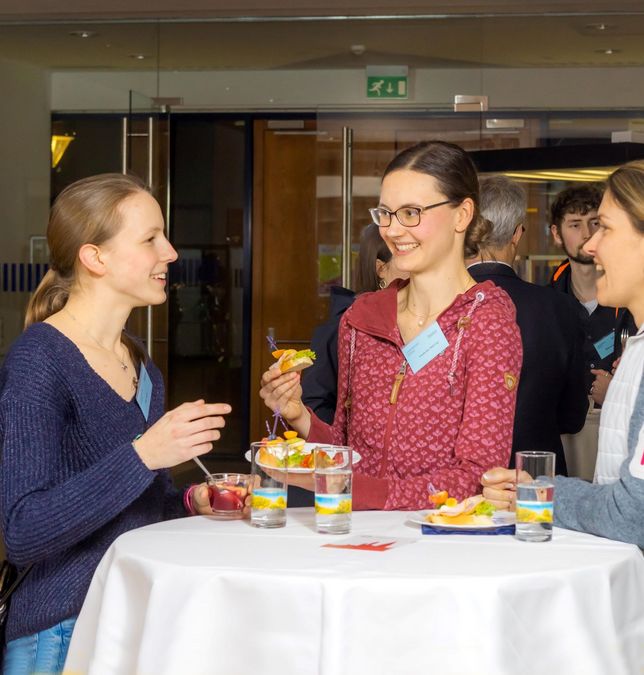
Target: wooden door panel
285, 252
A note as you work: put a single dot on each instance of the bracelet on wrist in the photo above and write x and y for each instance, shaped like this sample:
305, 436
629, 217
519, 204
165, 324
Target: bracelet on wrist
187, 500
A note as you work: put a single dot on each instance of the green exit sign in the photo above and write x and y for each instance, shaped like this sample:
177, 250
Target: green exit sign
387, 86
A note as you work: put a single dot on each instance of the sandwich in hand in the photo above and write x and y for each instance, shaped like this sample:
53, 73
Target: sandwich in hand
290, 360
471, 511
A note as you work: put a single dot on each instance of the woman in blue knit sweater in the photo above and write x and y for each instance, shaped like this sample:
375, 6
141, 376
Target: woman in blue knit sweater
85, 442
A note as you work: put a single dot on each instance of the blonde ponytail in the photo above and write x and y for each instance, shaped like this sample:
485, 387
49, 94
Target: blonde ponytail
50, 297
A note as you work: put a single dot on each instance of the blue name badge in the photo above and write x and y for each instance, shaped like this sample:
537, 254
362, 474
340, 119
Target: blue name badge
144, 392
606, 345
425, 347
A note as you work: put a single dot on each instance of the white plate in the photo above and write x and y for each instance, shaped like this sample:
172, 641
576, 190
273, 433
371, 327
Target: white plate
501, 519
308, 448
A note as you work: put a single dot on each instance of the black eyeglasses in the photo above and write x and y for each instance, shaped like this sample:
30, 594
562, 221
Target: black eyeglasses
407, 216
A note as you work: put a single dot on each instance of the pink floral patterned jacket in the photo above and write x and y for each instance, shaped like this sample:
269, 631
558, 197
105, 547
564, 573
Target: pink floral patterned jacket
444, 425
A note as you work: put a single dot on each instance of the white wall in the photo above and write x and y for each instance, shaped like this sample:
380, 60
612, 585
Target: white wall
507, 88
24, 175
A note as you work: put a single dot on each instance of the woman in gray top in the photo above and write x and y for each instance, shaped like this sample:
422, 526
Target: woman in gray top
612, 506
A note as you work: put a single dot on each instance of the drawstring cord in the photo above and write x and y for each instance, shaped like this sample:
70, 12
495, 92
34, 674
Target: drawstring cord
462, 324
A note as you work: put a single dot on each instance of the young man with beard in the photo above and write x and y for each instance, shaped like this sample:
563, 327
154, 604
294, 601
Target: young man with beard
574, 221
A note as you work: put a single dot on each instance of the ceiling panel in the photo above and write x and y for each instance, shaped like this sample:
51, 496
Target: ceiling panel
455, 42
16, 10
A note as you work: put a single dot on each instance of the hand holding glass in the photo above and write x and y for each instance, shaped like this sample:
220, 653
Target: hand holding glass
535, 495
227, 492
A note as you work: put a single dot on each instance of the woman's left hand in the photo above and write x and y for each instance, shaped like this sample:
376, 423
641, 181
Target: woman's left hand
302, 480
200, 499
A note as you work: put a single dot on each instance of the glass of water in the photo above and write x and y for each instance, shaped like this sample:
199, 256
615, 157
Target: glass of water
269, 484
332, 472
535, 495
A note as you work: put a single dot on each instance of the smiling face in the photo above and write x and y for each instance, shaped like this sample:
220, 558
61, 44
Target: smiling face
618, 252
439, 236
573, 233
136, 259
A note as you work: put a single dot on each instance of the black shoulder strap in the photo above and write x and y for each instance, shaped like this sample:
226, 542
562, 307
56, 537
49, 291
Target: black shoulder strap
17, 581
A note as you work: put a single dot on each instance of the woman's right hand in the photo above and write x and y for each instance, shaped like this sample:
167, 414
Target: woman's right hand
499, 487
181, 434
282, 392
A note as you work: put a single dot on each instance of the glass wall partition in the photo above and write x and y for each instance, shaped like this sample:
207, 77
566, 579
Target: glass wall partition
575, 149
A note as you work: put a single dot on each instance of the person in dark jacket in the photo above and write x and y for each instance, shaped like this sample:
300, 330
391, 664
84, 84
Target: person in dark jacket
574, 220
375, 271
551, 399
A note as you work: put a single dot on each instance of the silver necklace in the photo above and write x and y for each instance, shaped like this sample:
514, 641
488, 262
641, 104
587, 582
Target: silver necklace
121, 361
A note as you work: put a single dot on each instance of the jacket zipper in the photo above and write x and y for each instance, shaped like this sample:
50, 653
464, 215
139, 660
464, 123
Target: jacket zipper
393, 402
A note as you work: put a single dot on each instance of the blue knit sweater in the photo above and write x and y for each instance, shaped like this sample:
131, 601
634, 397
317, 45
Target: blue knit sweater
70, 480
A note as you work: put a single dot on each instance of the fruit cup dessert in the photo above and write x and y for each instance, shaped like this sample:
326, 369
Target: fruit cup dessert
227, 494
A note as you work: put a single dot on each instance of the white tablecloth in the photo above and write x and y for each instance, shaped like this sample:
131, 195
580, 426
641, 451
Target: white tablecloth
196, 596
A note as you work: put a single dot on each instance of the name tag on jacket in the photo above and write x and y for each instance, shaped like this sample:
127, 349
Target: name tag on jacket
606, 345
425, 347
144, 392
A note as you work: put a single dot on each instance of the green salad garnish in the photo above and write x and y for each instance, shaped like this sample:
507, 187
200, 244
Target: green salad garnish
302, 353
484, 508
295, 459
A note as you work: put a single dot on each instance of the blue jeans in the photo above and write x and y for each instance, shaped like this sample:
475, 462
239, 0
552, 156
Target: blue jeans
43, 652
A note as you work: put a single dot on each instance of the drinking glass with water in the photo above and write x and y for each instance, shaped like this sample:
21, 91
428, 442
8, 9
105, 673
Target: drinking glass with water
333, 476
269, 484
535, 495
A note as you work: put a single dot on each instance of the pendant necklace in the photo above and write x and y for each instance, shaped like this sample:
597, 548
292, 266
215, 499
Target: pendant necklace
420, 319
124, 366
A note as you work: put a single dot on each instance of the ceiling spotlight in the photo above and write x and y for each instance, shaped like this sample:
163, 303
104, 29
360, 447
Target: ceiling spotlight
138, 57
608, 51
599, 26
358, 50
83, 33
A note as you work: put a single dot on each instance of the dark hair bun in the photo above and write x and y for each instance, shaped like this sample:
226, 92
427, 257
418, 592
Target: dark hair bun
477, 236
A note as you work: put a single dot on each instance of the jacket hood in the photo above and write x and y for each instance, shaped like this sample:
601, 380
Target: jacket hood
375, 313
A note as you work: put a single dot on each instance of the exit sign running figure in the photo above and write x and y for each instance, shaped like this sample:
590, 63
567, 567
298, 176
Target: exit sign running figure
386, 86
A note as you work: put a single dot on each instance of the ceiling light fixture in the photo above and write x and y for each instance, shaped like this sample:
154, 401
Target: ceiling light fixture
608, 51
138, 57
358, 50
601, 27
84, 34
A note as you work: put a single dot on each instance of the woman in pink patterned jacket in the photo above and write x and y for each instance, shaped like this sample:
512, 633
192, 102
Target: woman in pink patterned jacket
441, 411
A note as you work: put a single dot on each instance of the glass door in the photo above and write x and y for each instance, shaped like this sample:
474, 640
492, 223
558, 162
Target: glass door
354, 149
145, 153
209, 289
